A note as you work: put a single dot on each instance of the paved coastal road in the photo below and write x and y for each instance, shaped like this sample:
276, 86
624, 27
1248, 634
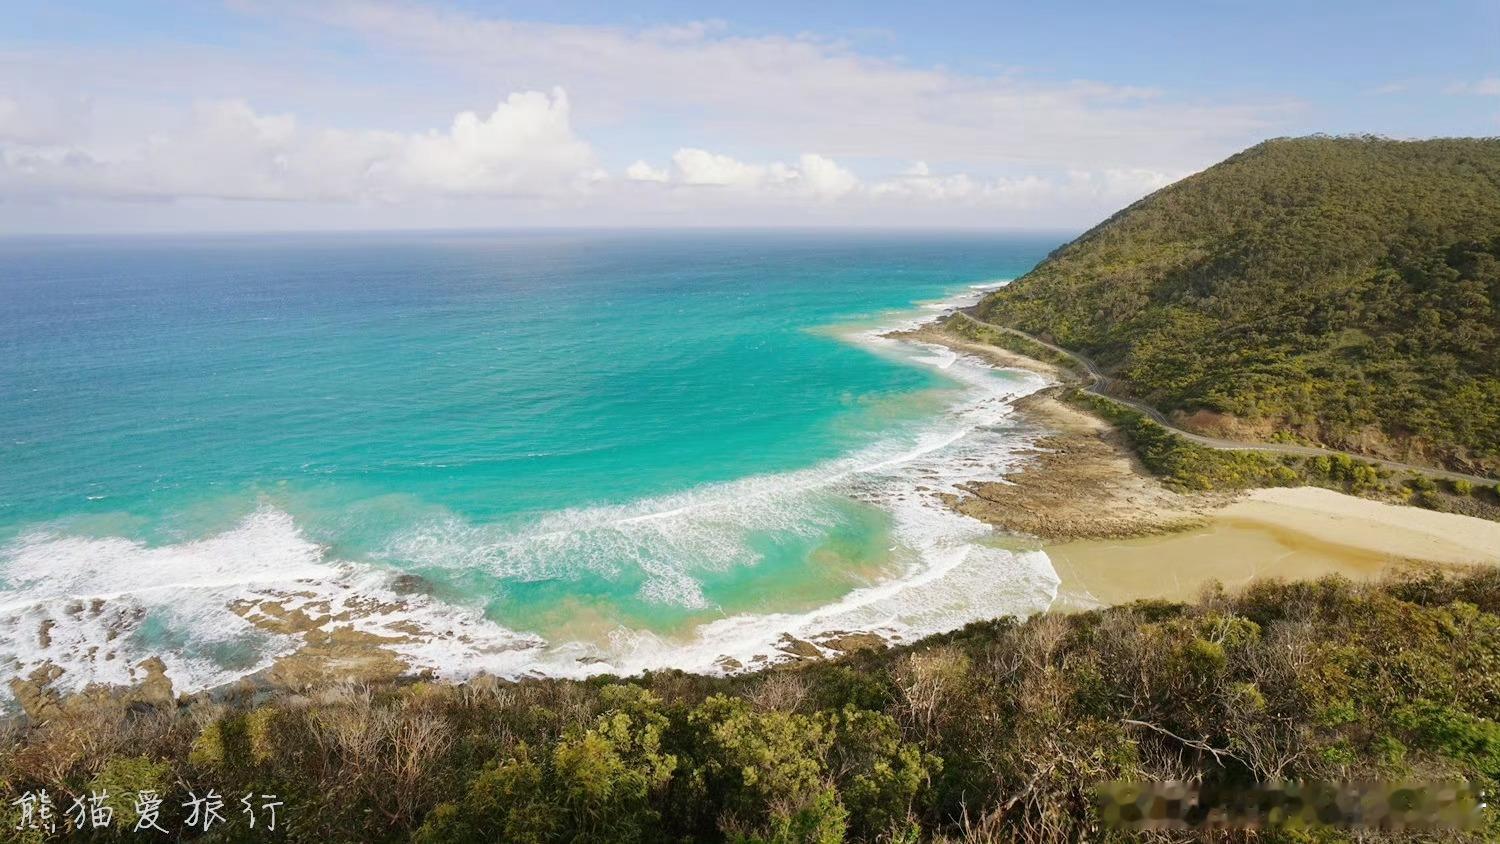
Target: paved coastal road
1103, 385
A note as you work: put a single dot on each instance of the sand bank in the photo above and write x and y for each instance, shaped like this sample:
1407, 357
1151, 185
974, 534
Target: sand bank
1115, 534
1299, 533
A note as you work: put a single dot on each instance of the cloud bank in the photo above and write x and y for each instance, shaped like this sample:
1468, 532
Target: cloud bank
228, 150
525, 147
524, 122
819, 178
764, 89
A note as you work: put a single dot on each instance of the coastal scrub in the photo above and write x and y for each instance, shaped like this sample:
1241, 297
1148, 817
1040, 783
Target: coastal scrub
1001, 731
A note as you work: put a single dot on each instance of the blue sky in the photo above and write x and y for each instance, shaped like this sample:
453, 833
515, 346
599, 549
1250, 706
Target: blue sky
267, 114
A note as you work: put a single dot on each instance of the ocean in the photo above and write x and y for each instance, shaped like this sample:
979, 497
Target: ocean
556, 453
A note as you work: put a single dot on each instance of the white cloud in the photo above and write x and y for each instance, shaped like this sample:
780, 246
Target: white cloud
34, 120
740, 111
919, 182
812, 176
525, 145
825, 179
802, 92
227, 150
821, 179
640, 171
12, 121
1104, 188
700, 167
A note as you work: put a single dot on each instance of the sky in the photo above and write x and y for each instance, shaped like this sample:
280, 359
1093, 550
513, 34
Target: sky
255, 115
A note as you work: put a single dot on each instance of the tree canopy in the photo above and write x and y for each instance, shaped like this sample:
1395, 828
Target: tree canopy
1346, 290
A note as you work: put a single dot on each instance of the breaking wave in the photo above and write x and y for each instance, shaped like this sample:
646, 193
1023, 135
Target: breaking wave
90, 610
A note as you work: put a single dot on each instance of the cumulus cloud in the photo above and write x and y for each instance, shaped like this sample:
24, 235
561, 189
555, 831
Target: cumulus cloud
228, 150
700, 167
825, 179
812, 176
640, 171
526, 145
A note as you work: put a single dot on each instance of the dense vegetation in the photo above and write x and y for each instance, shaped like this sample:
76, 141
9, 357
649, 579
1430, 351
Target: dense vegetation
997, 732
1024, 346
1345, 289
1188, 466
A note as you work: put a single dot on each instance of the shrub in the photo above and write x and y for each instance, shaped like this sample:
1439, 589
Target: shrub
124, 779
1422, 484
996, 732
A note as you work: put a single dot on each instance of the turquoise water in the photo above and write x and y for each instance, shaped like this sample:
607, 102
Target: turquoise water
565, 435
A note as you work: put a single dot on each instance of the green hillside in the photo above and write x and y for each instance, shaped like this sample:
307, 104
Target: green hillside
1344, 290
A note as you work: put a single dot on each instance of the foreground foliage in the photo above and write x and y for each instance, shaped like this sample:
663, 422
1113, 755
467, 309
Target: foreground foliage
1345, 289
998, 732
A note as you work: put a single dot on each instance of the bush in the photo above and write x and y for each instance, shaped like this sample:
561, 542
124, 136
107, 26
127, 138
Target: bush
1422, 484
1182, 463
124, 779
997, 732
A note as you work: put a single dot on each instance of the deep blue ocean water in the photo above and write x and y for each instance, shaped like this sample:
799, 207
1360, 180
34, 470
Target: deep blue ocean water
565, 434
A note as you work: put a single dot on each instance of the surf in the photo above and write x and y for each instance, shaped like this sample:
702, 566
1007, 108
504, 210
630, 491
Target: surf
84, 606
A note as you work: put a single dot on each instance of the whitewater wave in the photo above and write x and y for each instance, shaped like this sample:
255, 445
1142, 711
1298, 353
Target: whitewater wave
97, 608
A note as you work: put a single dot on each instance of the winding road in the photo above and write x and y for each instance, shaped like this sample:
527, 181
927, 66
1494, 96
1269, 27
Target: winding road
1107, 387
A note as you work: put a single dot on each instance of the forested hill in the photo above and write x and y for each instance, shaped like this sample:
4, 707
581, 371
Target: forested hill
1346, 290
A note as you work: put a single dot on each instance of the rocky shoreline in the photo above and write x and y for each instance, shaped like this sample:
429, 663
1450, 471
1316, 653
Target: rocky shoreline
1081, 490
1083, 482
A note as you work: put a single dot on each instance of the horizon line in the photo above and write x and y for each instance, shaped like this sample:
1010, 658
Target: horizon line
556, 229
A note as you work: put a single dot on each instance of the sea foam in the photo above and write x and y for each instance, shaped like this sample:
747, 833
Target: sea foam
96, 608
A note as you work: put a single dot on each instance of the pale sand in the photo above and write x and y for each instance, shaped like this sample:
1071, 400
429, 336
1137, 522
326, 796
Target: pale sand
1299, 533
1116, 534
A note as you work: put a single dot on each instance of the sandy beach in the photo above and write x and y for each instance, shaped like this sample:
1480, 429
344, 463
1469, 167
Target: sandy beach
1297, 533
1115, 534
